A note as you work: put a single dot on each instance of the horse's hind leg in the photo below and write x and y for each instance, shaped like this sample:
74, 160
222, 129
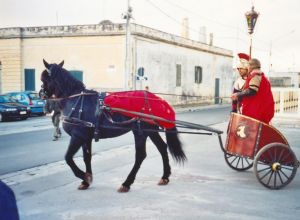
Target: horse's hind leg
87, 157
74, 146
140, 155
162, 148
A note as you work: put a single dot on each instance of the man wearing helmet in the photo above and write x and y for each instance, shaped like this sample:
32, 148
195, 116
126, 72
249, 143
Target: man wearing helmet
242, 68
256, 96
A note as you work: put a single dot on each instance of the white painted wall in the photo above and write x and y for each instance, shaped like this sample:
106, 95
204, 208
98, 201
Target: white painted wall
159, 60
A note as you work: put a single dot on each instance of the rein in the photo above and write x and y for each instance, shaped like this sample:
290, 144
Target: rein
79, 122
73, 96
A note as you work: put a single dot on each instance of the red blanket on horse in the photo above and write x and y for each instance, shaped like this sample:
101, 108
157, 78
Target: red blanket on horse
143, 102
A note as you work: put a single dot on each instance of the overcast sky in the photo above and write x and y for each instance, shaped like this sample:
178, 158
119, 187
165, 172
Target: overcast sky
277, 29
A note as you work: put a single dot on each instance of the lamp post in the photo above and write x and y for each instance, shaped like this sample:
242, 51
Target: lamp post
127, 16
251, 17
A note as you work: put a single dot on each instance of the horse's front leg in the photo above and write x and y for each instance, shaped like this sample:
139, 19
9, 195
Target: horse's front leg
162, 148
74, 145
87, 157
140, 155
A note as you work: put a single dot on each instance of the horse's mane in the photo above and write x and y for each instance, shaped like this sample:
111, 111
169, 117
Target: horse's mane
65, 83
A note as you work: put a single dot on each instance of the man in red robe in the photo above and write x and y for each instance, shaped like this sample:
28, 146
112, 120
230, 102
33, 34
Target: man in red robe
256, 97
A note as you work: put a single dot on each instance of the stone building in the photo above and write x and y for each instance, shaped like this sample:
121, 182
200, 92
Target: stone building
96, 55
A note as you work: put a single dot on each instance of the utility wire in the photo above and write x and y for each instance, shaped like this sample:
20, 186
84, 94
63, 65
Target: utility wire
205, 18
179, 22
209, 19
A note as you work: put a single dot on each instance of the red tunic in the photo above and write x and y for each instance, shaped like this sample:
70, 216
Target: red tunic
261, 105
144, 102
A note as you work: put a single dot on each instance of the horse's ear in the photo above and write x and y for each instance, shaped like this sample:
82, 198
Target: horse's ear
62, 63
47, 65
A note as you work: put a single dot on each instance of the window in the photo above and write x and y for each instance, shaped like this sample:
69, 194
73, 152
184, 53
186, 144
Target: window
33, 96
178, 75
29, 79
77, 74
198, 74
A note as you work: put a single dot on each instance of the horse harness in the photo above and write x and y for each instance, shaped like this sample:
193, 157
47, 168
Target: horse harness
78, 121
101, 111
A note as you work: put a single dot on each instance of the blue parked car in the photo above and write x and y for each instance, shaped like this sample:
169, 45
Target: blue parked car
31, 99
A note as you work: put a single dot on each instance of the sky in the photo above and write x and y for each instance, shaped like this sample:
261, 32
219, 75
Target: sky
275, 40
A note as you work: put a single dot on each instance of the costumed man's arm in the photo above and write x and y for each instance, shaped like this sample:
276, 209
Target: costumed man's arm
237, 87
246, 92
234, 102
251, 91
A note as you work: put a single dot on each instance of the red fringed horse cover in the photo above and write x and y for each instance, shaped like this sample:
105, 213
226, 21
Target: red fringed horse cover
143, 102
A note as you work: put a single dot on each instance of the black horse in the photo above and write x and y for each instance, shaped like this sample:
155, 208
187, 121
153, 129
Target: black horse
78, 109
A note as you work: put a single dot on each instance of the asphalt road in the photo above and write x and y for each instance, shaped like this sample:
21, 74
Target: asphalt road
22, 150
203, 188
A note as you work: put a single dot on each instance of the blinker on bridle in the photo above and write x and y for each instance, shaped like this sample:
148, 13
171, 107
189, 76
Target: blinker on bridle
49, 71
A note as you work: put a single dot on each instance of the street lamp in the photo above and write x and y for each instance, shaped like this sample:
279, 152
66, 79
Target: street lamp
127, 16
251, 17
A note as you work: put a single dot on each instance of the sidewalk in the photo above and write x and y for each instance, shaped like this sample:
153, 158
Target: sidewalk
204, 188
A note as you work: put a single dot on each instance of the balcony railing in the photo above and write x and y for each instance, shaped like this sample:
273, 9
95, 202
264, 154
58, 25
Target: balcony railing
287, 101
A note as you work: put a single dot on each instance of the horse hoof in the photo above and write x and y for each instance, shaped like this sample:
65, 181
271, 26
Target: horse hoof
83, 186
123, 189
88, 177
163, 182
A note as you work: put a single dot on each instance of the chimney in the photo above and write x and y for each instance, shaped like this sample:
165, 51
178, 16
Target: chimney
211, 39
185, 28
202, 34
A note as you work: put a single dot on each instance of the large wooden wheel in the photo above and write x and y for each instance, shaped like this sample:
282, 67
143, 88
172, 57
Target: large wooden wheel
275, 165
238, 163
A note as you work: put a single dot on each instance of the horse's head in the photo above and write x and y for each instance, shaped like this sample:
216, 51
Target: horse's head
50, 77
59, 82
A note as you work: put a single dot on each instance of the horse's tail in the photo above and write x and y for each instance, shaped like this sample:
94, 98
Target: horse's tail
175, 146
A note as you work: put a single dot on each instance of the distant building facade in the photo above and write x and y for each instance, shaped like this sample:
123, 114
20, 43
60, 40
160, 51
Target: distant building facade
285, 79
96, 55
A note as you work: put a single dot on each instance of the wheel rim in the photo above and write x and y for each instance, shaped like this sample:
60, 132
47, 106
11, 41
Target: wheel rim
275, 165
238, 163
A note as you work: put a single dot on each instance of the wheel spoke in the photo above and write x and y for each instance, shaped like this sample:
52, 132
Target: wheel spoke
275, 175
247, 161
238, 162
265, 175
289, 162
287, 168
233, 160
263, 163
283, 174
228, 156
280, 178
270, 177
242, 162
281, 153
286, 156
263, 169
271, 157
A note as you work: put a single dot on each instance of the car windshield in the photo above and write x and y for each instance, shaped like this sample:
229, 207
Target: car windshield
4, 99
34, 96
